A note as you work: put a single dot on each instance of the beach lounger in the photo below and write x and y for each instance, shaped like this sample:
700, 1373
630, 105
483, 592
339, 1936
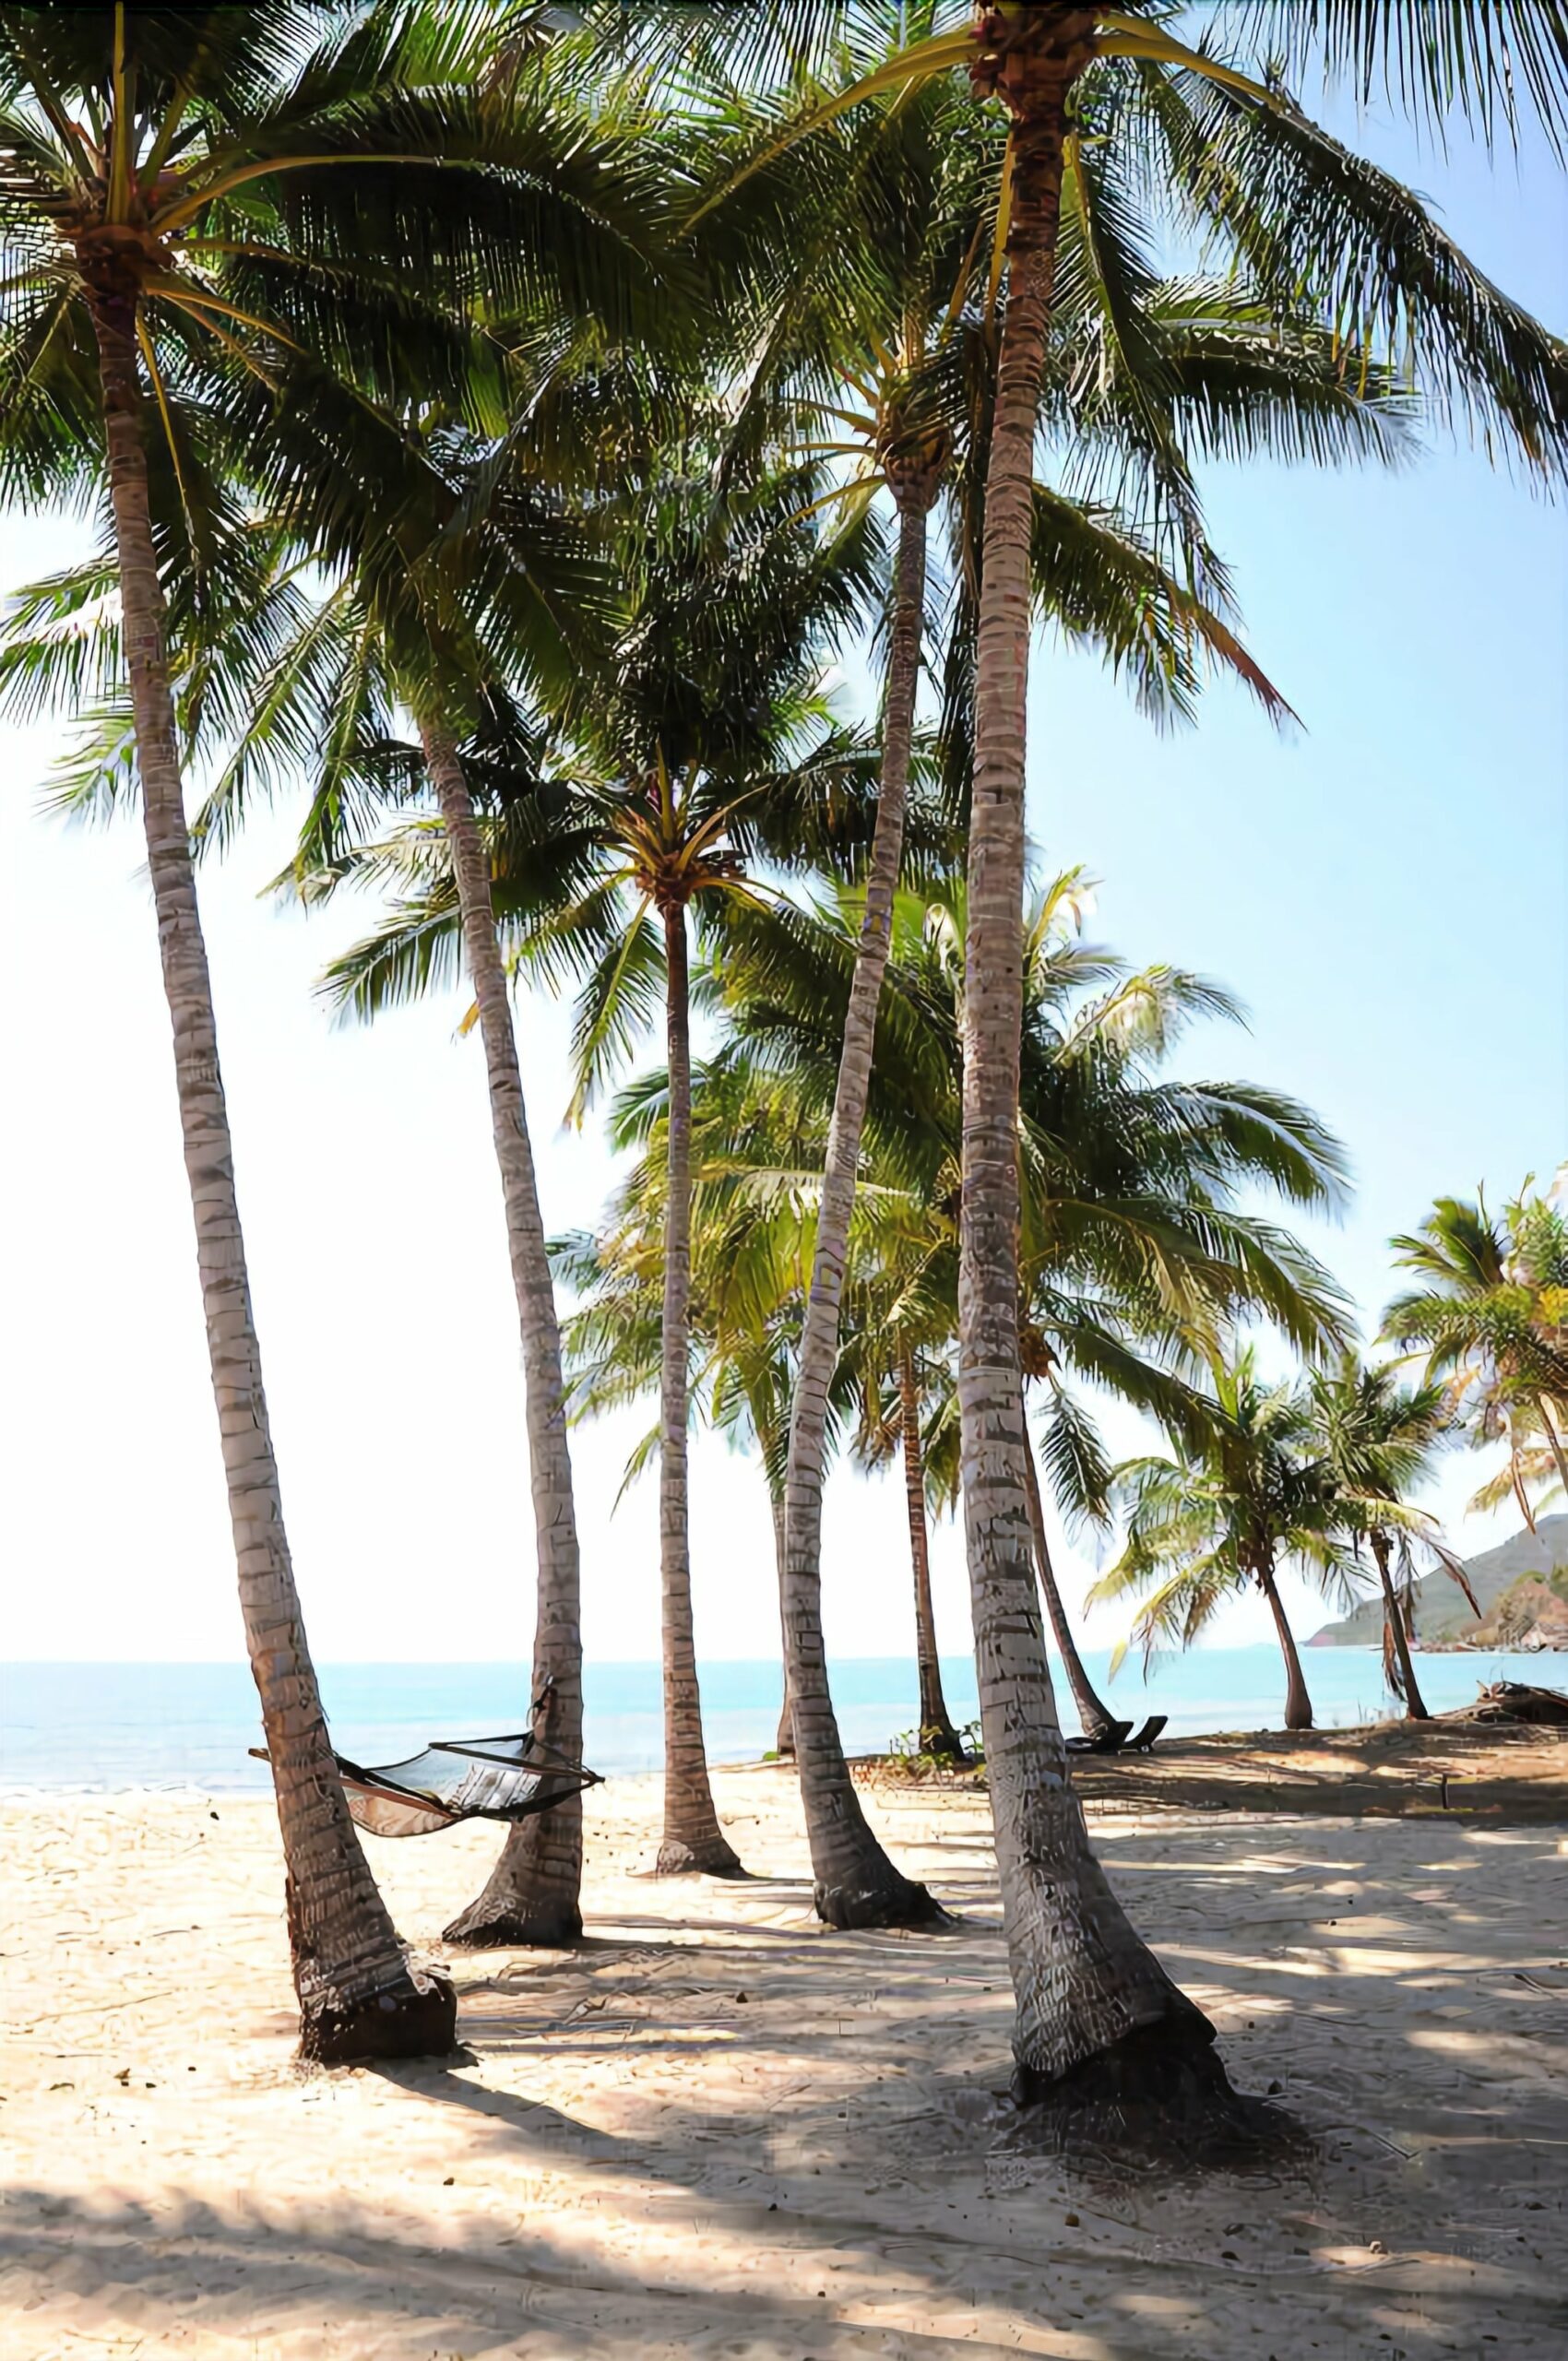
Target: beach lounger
1108, 1741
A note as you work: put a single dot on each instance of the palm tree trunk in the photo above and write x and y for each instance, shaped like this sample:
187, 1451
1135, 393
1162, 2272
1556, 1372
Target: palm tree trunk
533, 1895
693, 1838
359, 1995
1555, 1440
1394, 1616
938, 1736
1094, 1717
856, 1884
784, 1744
1298, 1705
1099, 2021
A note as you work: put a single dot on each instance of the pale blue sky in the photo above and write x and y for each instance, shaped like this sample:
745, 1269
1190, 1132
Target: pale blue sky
1387, 891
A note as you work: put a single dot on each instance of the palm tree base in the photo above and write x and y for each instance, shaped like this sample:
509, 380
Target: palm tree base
943, 1743
491, 1924
1160, 2095
889, 1900
708, 1857
414, 2017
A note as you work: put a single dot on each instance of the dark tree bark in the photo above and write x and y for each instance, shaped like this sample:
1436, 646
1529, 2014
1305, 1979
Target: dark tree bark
938, 1736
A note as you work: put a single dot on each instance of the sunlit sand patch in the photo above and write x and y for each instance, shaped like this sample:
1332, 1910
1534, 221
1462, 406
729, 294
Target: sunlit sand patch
716, 2130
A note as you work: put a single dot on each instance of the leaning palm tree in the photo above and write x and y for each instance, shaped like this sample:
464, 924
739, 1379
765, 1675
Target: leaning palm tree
377, 649
1490, 1311
883, 337
1304, 214
1378, 1438
1228, 1511
191, 202
272, 680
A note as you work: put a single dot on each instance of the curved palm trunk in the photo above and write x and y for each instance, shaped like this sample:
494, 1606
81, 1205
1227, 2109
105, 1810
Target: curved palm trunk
1298, 1705
1098, 2022
856, 1884
784, 1744
1394, 1619
938, 1736
533, 1893
1094, 1717
1555, 1441
359, 1995
693, 1838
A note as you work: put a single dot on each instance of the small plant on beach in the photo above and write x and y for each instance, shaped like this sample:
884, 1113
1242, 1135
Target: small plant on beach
918, 1757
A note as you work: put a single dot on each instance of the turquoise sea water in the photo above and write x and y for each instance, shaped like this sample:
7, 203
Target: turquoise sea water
97, 1725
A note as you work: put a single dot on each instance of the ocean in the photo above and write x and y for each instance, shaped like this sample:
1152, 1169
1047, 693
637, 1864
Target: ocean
103, 1725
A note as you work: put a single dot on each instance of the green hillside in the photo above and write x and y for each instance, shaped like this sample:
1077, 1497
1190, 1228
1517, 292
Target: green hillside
1441, 1610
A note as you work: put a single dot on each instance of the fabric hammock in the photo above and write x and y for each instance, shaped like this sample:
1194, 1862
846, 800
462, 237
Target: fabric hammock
507, 1778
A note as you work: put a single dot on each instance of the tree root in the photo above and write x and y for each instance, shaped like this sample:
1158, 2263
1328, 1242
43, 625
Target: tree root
711, 1858
1158, 2098
487, 1925
415, 2017
887, 1902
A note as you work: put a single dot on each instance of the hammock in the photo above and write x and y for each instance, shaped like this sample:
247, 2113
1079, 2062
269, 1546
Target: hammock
507, 1778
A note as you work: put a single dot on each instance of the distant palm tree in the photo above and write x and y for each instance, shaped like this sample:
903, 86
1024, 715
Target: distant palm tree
1134, 1248
754, 1173
1491, 1313
897, 1356
1229, 1511
1378, 1438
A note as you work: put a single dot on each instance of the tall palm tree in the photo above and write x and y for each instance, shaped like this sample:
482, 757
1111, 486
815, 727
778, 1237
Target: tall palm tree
1378, 1438
356, 471
193, 201
1491, 1312
1304, 214
884, 335
1229, 1510
699, 745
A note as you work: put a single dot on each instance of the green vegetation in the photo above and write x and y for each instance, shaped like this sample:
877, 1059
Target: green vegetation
496, 419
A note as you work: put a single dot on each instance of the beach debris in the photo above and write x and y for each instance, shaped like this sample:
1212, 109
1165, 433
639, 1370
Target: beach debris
1514, 1700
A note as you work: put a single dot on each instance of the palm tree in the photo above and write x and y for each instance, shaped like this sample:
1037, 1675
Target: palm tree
885, 337
1132, 1242
1305, 214
1491, 1316
1231, 1509
699, 744
897, 1359
1377, 1439
272, 677
194, 201
751, 1165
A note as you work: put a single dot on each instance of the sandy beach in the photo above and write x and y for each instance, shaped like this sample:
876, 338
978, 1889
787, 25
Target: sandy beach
717, 2130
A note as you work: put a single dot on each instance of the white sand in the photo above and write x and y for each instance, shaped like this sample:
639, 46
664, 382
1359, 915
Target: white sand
717, 2130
